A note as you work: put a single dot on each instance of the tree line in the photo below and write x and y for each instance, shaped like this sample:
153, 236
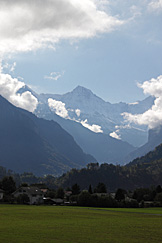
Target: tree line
93, 197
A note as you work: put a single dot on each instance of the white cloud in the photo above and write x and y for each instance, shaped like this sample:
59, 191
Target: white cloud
55, 75
153, 117
9, 88
21, 78
29, 25
94, 128
134, 103
10, 67
152, 87
127, 9
102, 4
77, 112
155, 5
127, 126
115, 135
58, 107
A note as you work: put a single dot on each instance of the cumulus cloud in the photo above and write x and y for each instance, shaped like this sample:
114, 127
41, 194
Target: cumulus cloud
54, 75
115, 135
29, 25
94, 128
58, 107
152, 117
9, 88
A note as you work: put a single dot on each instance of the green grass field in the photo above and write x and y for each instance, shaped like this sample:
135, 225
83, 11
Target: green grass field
75, 224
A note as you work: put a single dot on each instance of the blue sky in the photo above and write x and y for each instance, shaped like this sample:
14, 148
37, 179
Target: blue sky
104, 46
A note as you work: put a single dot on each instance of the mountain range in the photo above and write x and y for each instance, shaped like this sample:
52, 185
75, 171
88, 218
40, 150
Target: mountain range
95, 110
93, 122
80, 109
72, 110
32, 144
68, 131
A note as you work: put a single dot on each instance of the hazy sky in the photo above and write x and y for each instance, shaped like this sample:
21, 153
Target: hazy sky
106, 46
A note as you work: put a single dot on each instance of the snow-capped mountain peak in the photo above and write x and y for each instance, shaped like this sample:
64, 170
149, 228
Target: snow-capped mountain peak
81, 105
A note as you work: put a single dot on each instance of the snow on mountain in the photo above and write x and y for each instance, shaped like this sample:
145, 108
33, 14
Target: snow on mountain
97, 126
99, 116
82, 106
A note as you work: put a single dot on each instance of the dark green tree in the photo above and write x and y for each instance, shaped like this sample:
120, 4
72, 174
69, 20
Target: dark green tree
60, 193
158, 189
24, 185
8, 184
120, 194
75, 189
101, 188
141, 194
90, 189
51, 194
84, 199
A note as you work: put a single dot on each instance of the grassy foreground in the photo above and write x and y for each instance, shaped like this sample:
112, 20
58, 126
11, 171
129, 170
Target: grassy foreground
75, 224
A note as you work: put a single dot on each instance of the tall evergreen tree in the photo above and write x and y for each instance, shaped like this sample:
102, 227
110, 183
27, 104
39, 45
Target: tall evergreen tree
90, 189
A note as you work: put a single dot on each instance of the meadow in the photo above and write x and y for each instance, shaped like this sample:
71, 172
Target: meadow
79, 225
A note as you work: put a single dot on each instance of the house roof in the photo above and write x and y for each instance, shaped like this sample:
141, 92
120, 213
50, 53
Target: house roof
44, 190
29, 190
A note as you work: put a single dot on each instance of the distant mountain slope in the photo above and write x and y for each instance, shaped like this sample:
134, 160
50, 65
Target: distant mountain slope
103, 147
154, 139
28, 143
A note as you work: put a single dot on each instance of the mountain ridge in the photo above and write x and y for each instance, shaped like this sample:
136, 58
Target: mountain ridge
80, 109
28, 143
108, 116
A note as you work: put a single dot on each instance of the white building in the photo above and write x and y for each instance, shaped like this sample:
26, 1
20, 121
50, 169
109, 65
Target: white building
34, 193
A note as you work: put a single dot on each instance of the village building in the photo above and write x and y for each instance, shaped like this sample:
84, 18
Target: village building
34, 193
